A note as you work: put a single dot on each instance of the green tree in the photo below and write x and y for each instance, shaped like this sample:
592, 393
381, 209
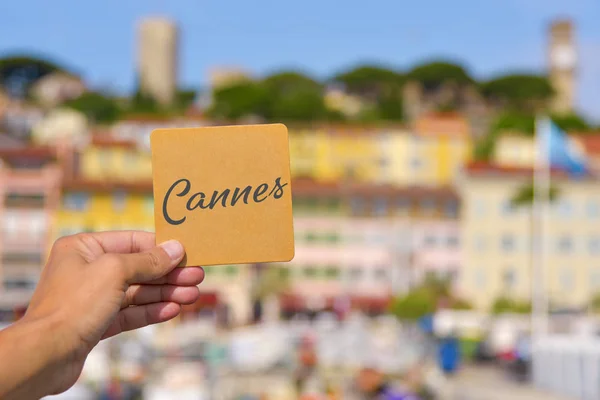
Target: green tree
415, 304
519, 91
431, 75
184, 98
425, 298
19, 71
571, 122
142, 103
505, 305
380, 86
461, 304
293, 96
595, 303
271, 281
485, 147
525, 195
239, 100
513, 121
96, 106
370, 81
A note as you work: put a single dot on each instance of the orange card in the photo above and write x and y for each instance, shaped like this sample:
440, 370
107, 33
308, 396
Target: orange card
224, 192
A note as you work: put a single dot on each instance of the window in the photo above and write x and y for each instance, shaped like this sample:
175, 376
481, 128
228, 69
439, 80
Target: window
332, 203
332, 272
507, 208
479, 243
381, 274
452, 241
509, 278
22, 258
231, 270
332, 237
76, 201
210, 270
592, 209
430, 240
416, 164
427, 206
17, 200
310, 272
564, 209
11, 223
284, 272
594, 245
119, 198
356, 273
402, 204
479, 206
380, 206
130, 159
149, 204
21, 282
508, 243
564, 244
311, 237
479, 277
37, 224
566, 279
595, 280
104, 157
311, 203
451, 208
356, 205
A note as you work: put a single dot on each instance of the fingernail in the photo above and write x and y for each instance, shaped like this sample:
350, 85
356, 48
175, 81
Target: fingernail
173, 248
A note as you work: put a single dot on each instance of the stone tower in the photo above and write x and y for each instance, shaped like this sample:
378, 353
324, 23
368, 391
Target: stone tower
157, 59
562, 63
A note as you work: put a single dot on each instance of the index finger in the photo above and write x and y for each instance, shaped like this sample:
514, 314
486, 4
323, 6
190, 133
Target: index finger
125, 242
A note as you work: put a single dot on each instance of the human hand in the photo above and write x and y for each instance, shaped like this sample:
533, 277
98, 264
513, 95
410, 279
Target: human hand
96, 285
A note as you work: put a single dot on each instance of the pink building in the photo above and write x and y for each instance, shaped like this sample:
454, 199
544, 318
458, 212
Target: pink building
30, 181
365, 244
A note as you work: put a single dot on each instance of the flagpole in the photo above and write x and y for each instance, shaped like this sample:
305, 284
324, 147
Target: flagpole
539, 245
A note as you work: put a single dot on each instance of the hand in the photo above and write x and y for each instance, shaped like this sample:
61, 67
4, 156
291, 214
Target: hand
96, 285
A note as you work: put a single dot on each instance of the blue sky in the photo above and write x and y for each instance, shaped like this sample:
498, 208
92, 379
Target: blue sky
319, 36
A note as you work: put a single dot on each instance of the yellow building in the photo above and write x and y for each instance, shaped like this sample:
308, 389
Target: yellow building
429, 154
496, 238
514, 150
114, 160
89, 206
520, 151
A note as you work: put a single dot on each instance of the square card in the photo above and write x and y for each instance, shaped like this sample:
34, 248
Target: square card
224, 192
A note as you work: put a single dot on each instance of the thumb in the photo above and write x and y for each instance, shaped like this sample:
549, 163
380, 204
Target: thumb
152, 264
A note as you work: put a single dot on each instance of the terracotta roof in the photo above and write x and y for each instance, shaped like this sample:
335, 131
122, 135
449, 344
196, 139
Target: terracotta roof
40, 153
10, 142
415, 192
442, 124
107, 186
348, 129
105, 140
589, 141
308, 187
489, 169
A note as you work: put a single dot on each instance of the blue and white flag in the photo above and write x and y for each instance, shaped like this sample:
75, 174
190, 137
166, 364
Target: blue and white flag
558, 150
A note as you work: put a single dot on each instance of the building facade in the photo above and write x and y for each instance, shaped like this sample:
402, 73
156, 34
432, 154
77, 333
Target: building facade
497, 259
30, 181
363, 244
429, 153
